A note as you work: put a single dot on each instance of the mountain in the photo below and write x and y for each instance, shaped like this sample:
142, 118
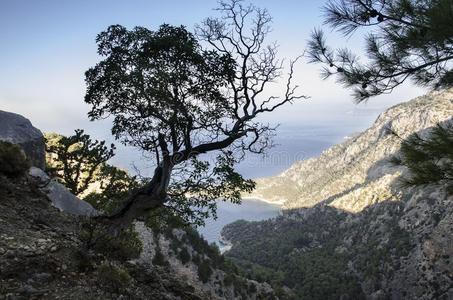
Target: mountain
351, 229
356, 173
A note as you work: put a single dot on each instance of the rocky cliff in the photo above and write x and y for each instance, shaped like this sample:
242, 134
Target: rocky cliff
18, 130
351, 229
357, 173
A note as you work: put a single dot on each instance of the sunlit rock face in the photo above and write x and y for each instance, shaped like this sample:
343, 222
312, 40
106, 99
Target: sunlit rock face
357, 173
16, 129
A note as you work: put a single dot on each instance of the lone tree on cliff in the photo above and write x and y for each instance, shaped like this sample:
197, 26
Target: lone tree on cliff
411, 39
175, 99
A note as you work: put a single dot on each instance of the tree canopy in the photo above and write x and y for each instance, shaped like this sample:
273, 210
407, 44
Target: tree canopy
176, 96
407, 39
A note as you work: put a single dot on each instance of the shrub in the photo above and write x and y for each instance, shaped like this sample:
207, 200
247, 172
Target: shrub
251, 288
204, 271
159, 259
13, 162
196, 259
184, 255
113, 277
123, 247
228, 279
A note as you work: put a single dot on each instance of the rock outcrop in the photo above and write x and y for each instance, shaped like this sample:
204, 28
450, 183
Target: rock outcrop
16, 129
43, 255
60, 196
357, 173
215, 287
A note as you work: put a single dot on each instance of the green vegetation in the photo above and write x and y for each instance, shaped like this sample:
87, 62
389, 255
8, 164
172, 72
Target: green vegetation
429, 159
113, 277
13, 162
184, 255
204, 271
115, 185
310, 256
159, 258
79, 163
175, 95
407, 39
122, 247
75, 160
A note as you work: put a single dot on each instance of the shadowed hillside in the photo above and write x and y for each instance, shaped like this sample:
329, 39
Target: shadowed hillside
352, 228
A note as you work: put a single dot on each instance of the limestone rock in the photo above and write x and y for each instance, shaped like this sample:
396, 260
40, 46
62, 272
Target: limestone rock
60, 196
357, 173
18, 130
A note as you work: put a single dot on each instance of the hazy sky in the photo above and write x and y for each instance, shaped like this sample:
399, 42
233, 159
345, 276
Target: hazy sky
46, 46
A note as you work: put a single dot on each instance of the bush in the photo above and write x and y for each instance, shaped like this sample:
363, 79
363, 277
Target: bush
228, 279
184, 255
196, 259
123, 247
113, 277
204, 271
13, 162
159, 259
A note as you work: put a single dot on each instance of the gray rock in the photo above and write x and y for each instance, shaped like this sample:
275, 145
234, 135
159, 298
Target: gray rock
42, 276
18, 130
60, 196
62, 199
39, 175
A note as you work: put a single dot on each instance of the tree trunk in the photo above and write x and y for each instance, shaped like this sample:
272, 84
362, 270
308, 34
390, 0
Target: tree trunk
152, 196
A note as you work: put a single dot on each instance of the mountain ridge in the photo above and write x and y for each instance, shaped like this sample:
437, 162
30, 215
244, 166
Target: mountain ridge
351, 229
300, 185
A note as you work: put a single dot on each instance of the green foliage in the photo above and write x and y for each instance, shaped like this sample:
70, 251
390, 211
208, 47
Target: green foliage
286, 252
123, 247
430, 159
176, 96
164, 220
113, 277
196, 259
159, 258
409, 39
200, 245
75, 160
204, 271
115, 185
13, 162
228, 279
194, 198
184, 256
3, 289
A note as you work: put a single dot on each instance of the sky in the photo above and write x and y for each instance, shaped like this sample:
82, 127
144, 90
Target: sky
47, 45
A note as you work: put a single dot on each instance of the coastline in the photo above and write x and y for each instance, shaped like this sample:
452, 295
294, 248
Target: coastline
280, 203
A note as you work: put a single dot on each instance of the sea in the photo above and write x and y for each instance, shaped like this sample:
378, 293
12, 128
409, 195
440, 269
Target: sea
292, 143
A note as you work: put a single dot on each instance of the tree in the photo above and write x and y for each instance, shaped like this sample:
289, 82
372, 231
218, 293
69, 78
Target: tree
74, 160
113, 187
177, 99
411, 39
428, 158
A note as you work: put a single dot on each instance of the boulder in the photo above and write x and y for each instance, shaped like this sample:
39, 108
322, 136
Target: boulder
18, 130
60, 196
